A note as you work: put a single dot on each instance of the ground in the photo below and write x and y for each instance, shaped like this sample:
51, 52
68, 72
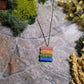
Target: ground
63, 37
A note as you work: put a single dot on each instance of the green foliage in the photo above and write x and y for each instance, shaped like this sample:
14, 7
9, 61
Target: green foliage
74, 10
17, 11
25, 9
79, 45
42, 1
31, 21
13, 21
11, 4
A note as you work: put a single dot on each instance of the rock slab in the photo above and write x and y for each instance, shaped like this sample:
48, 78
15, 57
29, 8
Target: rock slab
63, 37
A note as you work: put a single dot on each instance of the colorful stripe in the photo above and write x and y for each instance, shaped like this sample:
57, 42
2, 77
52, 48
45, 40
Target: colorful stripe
46, 48
46, 52
45, 55
45, 59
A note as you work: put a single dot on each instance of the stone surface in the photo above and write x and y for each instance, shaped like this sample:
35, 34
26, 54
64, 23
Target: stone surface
26, 46
6, 46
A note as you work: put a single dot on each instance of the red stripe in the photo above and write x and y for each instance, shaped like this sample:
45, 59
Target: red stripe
46, 48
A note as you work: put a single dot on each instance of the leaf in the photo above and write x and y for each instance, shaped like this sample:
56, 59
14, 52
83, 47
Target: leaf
82, 23
42, 1
75, 19
82, 16
71, 14
31, 21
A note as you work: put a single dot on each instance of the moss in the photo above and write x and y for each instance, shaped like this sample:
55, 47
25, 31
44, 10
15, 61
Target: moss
25, 9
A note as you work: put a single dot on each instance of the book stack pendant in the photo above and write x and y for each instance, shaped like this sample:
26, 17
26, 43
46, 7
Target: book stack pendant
46, 54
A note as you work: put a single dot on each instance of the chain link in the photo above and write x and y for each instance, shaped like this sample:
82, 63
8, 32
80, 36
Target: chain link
47, 44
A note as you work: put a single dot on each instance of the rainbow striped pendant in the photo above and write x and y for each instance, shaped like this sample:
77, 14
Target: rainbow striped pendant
46, 54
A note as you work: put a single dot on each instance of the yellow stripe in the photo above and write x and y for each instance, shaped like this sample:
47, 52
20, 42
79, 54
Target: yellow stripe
46, 52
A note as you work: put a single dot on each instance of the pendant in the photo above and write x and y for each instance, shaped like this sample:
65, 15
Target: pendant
46, 54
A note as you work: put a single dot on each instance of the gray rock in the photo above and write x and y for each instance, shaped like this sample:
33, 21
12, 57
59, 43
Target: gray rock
63, 37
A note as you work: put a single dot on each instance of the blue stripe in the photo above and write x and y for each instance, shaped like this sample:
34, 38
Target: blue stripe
46, 59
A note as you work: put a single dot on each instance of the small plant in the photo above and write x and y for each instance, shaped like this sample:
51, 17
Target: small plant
77, 63
74, 10
79, 45
25, 9
13, 21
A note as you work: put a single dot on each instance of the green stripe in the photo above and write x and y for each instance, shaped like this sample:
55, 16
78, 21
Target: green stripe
45, 55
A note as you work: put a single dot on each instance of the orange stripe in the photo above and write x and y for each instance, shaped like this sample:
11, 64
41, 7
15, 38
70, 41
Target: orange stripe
46, 52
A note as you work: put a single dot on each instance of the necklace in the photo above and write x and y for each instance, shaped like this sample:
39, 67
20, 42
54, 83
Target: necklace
46, 52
